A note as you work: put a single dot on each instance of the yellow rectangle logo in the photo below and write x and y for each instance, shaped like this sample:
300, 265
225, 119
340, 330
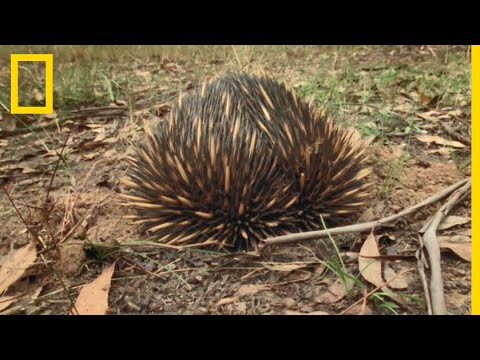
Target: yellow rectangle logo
475, 188
14, 107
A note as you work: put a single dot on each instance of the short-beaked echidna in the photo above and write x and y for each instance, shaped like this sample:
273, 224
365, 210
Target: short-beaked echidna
242, 159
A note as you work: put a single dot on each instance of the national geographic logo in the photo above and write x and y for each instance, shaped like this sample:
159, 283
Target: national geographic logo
14, 107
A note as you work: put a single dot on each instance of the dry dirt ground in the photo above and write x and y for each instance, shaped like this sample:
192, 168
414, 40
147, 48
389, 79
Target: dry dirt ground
408, 103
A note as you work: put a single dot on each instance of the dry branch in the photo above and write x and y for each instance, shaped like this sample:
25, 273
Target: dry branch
364, 227
431, 244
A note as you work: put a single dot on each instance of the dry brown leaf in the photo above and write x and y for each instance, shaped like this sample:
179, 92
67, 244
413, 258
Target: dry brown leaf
460, 245
367, 216
95, 126
464, 238
456, 113
426, 100
91, 156
15, 264
93, 298
439, 141
431, 115
334, 293
286, 267
100, 137
403, 108
250, 289
111, 140
28, 170
110, 153
464, 250
466, 232
290, 312
445, 152
451, 221
226, 301
51, 116
359, 309
6, 301
371, 269
413, 95
402, 99
398, 282
320, 269
365, 109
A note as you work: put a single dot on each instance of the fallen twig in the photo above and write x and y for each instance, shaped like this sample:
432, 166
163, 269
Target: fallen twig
431, 244
356, 228
421, 264
90, 113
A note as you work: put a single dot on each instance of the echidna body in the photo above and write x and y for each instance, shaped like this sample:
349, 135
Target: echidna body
242, 159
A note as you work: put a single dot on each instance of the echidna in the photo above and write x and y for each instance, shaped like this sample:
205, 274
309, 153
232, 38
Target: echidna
242, 159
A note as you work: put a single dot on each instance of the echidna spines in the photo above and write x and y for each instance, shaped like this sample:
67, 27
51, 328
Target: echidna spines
242, 159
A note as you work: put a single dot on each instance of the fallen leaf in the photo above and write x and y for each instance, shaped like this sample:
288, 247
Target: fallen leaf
110, 153
250, 289
431, 115
414, 96
367, 216
334, 293
456, 113
6, 301
398, 282
289, 302
320, 269
93, 298
352, 255
370, 269
464, 238
50, 116
461, 249
402, 99
442, 151
439, 141
460, 245
426, 100
90, 156
451, 221
100, 137
287, 267
467, 232
226, 301
28, 170
366, 109
359, 309
15, 264
290, 312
